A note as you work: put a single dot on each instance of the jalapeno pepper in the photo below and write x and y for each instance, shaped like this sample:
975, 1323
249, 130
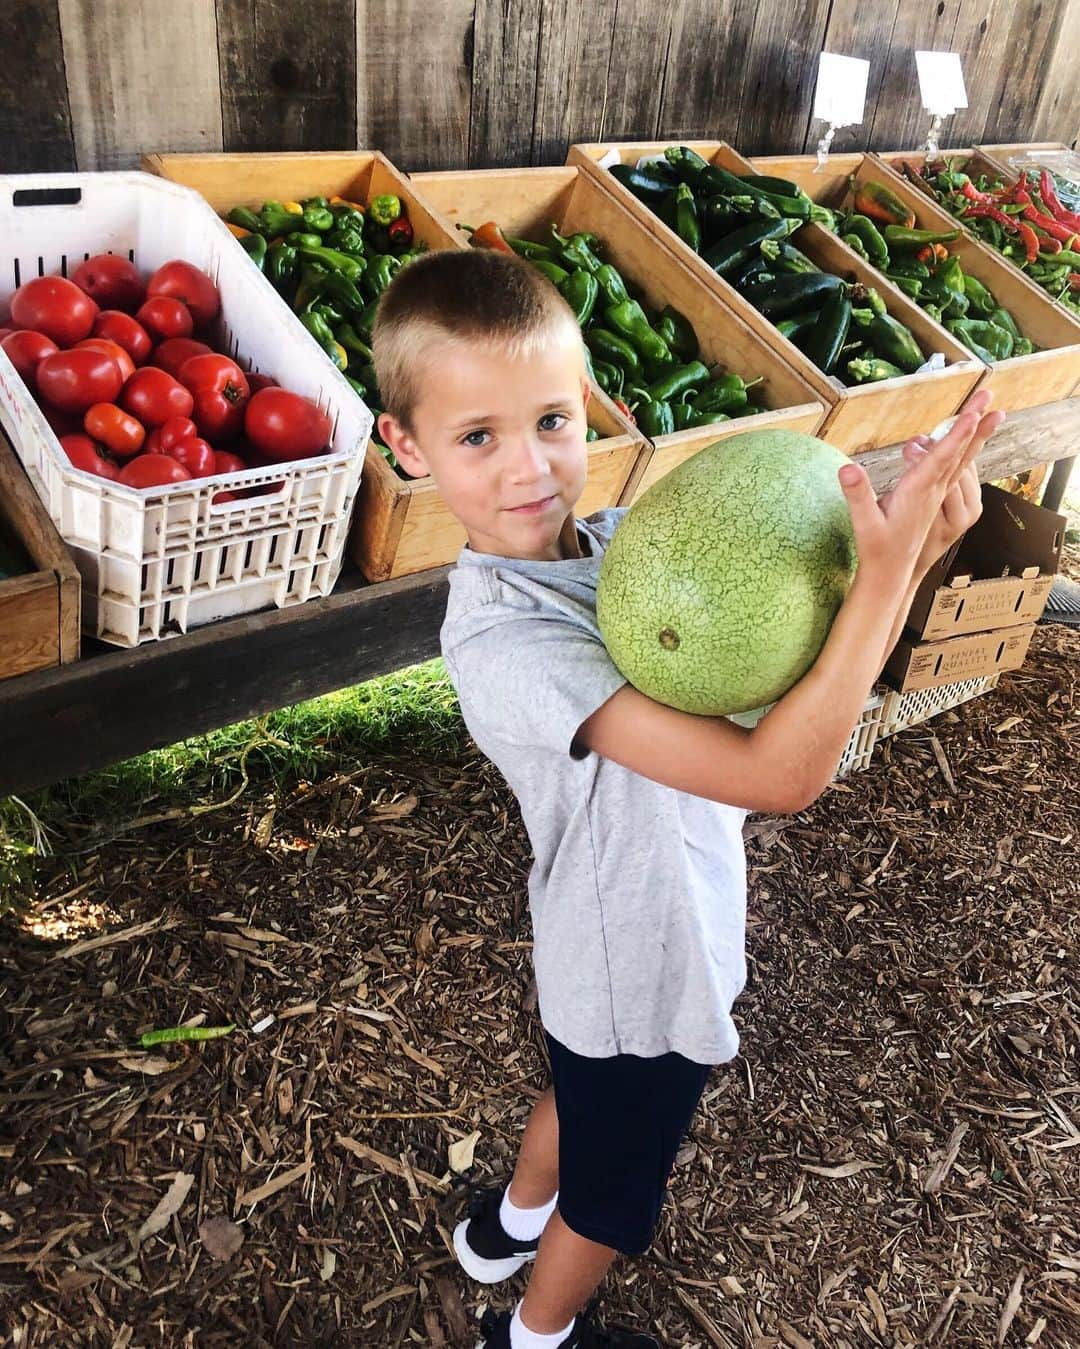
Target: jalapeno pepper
349, 267
580, 290
528, 249
351, 340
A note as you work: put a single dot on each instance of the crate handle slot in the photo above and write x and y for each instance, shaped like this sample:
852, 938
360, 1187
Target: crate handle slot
46, 196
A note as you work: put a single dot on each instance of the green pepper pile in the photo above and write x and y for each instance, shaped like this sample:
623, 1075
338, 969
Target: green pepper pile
1027, 222
330, 260
741, 225
918, 262
647, 361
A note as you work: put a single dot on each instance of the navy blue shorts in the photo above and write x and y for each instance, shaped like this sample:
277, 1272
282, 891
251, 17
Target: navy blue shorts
621, 1121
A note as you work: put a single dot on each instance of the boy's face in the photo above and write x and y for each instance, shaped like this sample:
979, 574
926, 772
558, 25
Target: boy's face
505, 442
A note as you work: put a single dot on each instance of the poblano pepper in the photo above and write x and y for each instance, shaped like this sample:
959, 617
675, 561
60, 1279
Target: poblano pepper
655, 418
608, 346
980, 333
629, 320
278, 219
254, 245
580, 290
554, 273
282, 266
692, 375
684, 346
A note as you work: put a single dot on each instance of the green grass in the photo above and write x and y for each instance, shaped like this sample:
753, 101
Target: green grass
414, 711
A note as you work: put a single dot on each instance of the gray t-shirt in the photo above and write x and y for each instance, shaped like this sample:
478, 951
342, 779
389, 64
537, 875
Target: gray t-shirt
637, 892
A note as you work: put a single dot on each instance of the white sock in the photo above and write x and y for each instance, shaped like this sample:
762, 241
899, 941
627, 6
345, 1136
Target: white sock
524, 1224
521, 1337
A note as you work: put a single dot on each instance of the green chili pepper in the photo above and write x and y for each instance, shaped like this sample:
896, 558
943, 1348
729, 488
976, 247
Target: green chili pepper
908, 266
576, 251
554, 273
336, 287
333, 261
379, 275
183, 1035
899, 236
247, 219
580, 290
874, 246
655, 418
889, 338
1023, 346
685, 344
254, 245
612, 286
979, 297
629, 320
358, 388
321, 331
318, 218
870, 371
998, 342
692, 375
726, 393
687, 226
351, 340
534, 252
608, 346
384, 209
277, 220
910, 285
608, 376
856, 245
282, 266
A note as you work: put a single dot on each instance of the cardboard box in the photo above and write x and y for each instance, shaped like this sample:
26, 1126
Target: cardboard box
999, 575
926, 665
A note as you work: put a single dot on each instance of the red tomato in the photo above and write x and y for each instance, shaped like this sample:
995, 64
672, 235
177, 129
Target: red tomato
285, 426
224, 462
116, 429
6, 332
84, 454
26, 350
124, 363
257, 382
153, 470
175, 352
125, 332
114, 283
74, 380
196, 456
163, 317
56, 307
174, 431
181, 281
154, 397
219, 498
152, 443
221, 394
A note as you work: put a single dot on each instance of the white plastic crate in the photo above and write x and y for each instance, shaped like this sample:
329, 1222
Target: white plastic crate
159, 562
909, 709
864, 736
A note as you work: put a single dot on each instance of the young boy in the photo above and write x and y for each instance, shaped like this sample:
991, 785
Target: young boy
634, 810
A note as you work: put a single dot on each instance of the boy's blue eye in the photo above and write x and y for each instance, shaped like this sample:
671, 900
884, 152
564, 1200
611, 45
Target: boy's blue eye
475, 439
552, 421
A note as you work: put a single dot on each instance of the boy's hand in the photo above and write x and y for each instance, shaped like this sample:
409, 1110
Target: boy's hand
936, 499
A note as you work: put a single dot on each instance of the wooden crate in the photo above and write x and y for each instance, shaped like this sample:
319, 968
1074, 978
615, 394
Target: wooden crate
403, 526
525, 202
861, 418
39, 610
226, 181
1001, 154
1020, 382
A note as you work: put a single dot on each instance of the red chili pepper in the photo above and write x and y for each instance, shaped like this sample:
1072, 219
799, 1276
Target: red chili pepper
1048, 223
1030, 240
1053, 204
1050, 245
987, 211
972, 193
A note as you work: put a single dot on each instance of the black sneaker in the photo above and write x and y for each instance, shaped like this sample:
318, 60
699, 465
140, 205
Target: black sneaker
586, 1333
485, 1250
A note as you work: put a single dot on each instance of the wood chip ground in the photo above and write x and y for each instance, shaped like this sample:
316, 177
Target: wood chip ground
894, 1160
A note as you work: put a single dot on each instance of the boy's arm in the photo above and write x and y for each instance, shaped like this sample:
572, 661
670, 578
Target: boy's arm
790, 756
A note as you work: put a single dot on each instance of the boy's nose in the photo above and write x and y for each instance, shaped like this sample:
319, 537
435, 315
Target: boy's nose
530, 461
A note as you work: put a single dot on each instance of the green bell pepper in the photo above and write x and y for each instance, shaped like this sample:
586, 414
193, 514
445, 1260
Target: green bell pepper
384, 209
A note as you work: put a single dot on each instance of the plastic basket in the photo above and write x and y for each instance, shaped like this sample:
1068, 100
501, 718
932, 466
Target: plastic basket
864, 736
909, 709
159, 562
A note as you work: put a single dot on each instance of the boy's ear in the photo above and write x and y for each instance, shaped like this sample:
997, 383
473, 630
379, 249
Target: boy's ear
401, 444
586, 390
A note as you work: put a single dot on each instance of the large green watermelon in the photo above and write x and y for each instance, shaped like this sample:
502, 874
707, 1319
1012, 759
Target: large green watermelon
720, 585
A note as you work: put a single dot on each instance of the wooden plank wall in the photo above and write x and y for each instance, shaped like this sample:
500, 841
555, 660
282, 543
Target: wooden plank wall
95, 83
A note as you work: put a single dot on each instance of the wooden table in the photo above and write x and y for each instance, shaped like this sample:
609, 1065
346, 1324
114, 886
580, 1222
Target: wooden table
116, 703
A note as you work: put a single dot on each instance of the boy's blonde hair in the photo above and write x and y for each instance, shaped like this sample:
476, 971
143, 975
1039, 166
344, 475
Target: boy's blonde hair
475, 296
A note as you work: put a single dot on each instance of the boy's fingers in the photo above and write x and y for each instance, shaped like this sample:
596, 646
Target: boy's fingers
861, 499
982, 433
